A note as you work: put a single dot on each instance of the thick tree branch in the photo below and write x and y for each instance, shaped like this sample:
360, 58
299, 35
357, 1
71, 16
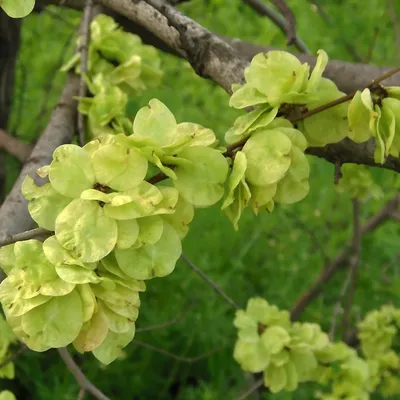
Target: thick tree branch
14, 215
224, 60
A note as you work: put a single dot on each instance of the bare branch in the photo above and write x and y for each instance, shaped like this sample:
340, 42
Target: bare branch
354, 267
14, 215
169, 322
287, 26
80, 377
210, 282
327, 19
290, 19
396, 26
14, 146
341, 260
24, 236
83, 49
13, 356
189, 360
251, 389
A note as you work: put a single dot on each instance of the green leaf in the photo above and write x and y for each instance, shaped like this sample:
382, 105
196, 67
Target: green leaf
116, 323
76, 274
319, 68
118, 167
202, 183
56, 323
113, 344
268, 157
275, 378
17, 8
134, 203
7, 395
181, 218
157, 122
358, 116
151, 260
88, 299
275, 339
305, 363
7, 258
44, 203
85, 230
150, 230
252, 357
128, 233
246, 96
92, 334
71, 171
290, 190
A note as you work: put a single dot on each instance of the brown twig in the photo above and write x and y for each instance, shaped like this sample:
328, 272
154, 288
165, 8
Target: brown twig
251, 389
338, 172
14, 146
13, 356
210, 282
287, 23
371, 48
396, 26
169, 322
189, 360
24, 236
79, 376
290, 19
341, 260
83, 49
354, 267
81, 394
325, 17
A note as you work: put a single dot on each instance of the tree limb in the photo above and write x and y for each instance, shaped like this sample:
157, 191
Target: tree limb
14, 146
14, 215
80, 377
341, 260
286, 25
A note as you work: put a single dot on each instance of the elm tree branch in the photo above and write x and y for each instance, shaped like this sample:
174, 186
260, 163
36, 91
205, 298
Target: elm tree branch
341, 260
23, 236
354, 267
287, 25
83, 49
209, 281
188, 360
79, 376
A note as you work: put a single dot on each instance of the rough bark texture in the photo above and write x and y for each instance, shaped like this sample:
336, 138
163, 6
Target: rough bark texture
14, 215
9, 44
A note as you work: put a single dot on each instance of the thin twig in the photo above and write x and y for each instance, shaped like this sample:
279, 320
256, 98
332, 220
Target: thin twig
251, 389
280, 22
325, 17
85, 37
290, 19
14, 146
338, 309
169, 322
189, 360
354, 267
24, 236
81, 394
396, 26
210, 281
80, 377
341, 260
372, 45
13, 356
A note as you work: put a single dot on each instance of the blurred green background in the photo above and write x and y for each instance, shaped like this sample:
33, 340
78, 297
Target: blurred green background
275, 256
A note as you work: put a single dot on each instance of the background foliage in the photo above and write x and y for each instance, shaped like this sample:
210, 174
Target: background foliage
274, 256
